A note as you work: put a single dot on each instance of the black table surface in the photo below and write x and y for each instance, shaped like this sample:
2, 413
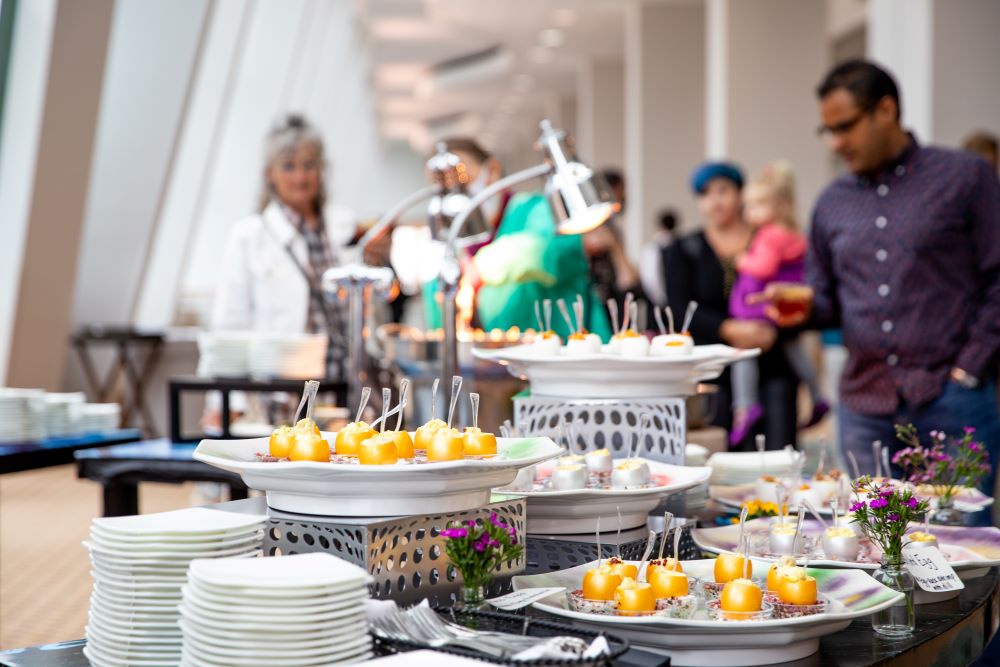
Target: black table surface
15, 457
952, 632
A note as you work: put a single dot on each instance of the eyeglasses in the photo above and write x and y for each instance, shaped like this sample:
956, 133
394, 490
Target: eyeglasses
840, 129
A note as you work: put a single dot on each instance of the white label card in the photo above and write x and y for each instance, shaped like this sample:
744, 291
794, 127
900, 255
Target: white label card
523, 598
931, 571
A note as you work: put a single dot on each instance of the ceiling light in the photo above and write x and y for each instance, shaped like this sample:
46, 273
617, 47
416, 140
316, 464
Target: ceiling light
552, 37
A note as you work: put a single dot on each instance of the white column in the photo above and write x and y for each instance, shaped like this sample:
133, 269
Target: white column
22, 126
664, 112
965, 58
600, 113
58, 187
767, 96
900, 37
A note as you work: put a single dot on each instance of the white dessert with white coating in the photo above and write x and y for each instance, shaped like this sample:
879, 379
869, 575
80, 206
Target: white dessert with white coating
630, 474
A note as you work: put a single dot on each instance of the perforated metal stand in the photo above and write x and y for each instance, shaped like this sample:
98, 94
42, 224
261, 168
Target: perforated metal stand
610, 424
405, 555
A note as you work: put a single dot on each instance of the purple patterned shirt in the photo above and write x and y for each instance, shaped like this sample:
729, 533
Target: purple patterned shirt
908, 263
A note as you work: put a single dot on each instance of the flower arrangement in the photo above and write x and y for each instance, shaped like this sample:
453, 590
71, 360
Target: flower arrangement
757, 508
884, 515
477, 548
946, 471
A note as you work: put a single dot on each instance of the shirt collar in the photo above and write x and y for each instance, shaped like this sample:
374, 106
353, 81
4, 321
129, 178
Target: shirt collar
904, 158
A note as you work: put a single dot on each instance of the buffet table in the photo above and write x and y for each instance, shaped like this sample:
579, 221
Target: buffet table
953, 632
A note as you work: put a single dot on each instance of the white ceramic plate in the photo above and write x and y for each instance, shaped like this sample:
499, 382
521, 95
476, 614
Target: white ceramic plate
301, 571
170, 561
132, 641
254, 606
347, 489
576, 512
235, 636
266, 642
191, 521
701, 641
209, 538
250, 547
100, 657
224, 596
966, 548
189, 659
260, 625
127, 549
164, 625
614, 376
337, 641
328, 619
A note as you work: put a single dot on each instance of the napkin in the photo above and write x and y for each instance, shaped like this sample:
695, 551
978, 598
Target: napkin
597, 648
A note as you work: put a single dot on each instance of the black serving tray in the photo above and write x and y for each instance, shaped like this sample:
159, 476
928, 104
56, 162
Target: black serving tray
513, 624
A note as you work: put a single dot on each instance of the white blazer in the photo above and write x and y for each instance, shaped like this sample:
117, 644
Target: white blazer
261, 288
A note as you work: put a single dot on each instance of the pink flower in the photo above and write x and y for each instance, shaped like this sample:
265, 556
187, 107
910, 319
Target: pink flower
856, 506
969, 430
455, 532
893, 517
878, 503
911, 503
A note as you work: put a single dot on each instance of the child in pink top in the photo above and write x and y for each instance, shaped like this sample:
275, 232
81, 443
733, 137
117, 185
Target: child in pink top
776, 254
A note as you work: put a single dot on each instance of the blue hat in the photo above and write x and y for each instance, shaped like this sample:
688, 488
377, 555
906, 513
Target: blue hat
706, 171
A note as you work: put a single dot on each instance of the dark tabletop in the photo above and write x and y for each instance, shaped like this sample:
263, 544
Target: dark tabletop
15, 457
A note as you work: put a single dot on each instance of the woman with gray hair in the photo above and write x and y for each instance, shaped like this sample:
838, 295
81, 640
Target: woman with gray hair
274, 259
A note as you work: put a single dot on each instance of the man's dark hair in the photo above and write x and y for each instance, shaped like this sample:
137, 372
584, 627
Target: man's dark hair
866, 81
668, 219
613, 177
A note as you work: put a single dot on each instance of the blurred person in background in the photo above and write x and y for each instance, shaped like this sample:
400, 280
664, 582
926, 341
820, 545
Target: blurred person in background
985, 145
777, 253
702, 267
904, 256
273, 260
416, 257
612, 272
651, 260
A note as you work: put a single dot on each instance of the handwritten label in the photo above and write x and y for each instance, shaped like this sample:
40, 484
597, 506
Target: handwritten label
523, 598
928, 567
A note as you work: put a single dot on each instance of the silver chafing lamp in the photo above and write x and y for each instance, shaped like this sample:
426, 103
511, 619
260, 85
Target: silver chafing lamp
581, 200
357, 282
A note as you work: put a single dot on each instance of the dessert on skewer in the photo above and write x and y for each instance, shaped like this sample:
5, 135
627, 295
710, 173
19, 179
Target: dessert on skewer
425, 434
741, 598
401, 438
633, 597
840, 542
547, 342
478, 442
670, 343
350, 437
380, 449
447, 443
581, 342
634, 471
660, 563
597, 593
308, 443
283, 438
625, 332
635, 344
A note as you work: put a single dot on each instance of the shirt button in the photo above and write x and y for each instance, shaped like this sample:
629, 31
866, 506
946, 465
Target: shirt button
892, 360
881, 254
886, 326
881, 222
882, 190
900, 170
883, 290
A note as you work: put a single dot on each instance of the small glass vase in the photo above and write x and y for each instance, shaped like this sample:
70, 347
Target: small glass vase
472, 596
898, 620
945, 513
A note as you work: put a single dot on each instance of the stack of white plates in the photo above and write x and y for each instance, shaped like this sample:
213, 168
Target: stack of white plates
22, 415
140, 565
736, 468
299, 356
224, 353
62, 413
98, 417
288, 611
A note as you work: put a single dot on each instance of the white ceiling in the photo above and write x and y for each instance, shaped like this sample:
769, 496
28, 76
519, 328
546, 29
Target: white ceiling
480, 67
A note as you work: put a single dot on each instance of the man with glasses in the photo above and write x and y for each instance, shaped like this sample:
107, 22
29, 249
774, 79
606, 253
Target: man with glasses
905, 258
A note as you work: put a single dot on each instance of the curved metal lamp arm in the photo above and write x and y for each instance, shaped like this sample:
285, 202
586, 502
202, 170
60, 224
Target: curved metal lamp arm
486, 193
389, 216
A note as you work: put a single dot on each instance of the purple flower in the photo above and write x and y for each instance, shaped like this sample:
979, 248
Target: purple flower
886, 493
975, 446
934, 433
455, 532
479, 546
969, 430
856, 506
471, 523
911, 503
878, 503
893, 517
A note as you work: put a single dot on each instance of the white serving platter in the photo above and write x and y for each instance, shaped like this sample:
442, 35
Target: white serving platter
612, 375
553, 512
349, 489
701, 641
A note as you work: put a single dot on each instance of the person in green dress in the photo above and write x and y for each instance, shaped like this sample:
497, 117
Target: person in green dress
529, 261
